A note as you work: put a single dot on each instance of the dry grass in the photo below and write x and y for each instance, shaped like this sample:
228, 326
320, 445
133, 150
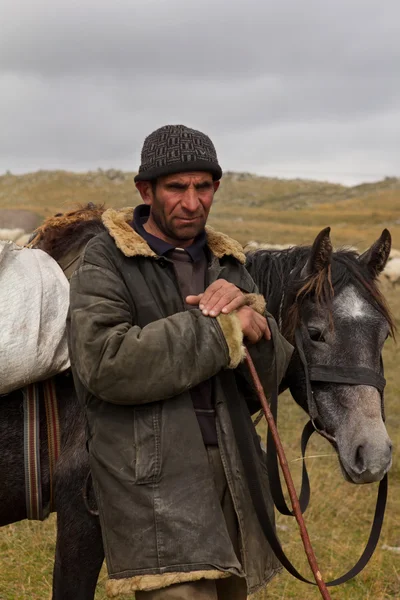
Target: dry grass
340, 514
338, 520
248, 207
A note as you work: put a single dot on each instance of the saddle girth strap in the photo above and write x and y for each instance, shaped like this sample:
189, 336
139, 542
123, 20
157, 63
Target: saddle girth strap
33, 479
53, 431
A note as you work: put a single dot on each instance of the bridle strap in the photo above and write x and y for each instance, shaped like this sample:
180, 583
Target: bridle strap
376, 527
374, 535
347, 375
273, 466
339, 374
311, 404
319, 373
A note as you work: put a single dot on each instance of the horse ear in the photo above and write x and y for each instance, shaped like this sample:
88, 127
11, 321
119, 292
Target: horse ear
320, 256
377, 256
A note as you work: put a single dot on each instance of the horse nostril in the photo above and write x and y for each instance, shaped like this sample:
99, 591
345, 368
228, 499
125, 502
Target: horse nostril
389, 450
359, 459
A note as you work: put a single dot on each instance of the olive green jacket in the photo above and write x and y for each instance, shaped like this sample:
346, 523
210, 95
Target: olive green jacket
135, 354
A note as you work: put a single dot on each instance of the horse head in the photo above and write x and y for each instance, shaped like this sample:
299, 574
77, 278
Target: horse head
331, 309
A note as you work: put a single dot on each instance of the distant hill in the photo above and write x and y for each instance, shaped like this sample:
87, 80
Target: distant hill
246, 206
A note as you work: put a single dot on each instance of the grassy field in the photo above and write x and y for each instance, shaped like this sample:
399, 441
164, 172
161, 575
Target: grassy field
340, 514
246, 206
338, 521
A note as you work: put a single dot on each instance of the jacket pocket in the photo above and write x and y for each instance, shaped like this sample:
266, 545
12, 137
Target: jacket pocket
147, 441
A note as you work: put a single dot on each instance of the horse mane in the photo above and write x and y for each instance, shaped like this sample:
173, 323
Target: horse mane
277, 274
64, 232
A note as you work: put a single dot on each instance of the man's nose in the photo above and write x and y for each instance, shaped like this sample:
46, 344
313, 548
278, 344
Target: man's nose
190, 200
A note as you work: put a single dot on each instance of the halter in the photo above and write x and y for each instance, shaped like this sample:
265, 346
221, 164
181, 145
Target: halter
318, 373
340, 374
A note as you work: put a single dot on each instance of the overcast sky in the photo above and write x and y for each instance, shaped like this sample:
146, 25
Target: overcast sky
287, 88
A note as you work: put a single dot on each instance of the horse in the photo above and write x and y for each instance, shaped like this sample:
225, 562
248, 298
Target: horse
334, 303
313, 290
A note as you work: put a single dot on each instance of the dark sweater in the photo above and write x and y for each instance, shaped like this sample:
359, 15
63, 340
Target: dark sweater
190, 266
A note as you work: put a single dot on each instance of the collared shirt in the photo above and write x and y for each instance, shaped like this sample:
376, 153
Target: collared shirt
160, 247
190, 266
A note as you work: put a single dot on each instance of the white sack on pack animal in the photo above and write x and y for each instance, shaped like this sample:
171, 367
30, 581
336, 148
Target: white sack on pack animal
34, 300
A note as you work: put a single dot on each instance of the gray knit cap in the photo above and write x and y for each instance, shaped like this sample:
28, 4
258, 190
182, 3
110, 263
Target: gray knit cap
177, 149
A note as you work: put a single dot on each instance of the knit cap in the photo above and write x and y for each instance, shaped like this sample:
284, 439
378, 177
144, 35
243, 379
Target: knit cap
177, 149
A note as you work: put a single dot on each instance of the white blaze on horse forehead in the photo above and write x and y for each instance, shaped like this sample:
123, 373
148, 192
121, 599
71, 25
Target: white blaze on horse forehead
349, 303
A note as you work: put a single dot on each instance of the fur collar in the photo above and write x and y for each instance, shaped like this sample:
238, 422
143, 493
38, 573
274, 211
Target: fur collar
117, 223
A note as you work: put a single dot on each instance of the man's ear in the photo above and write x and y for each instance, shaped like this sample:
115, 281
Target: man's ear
216, 185
145, 189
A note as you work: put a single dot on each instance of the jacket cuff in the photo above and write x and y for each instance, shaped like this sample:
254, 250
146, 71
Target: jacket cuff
256, 302
233, 334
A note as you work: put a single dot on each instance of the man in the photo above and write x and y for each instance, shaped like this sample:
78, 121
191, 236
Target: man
160, 308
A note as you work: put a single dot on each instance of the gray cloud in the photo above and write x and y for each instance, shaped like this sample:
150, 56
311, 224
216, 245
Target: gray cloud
289, 88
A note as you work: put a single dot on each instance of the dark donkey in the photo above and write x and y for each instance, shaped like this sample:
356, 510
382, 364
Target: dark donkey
299, 284
79, 550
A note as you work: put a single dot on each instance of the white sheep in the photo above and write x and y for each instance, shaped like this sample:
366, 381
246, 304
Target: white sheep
252, 246
24, 239
11, 234
391, 272
394, 253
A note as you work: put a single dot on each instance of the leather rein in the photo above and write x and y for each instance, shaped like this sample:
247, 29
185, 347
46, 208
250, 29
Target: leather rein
349, 375
248, 451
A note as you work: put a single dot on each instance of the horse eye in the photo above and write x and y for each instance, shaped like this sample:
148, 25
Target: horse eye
316, 335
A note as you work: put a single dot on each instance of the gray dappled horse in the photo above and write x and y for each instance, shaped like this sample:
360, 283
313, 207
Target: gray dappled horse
331, 297
333, 301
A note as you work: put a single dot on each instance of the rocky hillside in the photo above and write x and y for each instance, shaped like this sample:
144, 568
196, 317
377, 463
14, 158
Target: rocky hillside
246, 206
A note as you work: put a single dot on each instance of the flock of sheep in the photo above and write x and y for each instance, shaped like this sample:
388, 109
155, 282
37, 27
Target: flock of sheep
391, 274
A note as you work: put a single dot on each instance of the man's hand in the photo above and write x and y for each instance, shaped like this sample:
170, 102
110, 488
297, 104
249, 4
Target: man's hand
220, 296
254, 326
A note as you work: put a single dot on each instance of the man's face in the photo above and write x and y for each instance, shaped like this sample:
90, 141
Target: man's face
180, 203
